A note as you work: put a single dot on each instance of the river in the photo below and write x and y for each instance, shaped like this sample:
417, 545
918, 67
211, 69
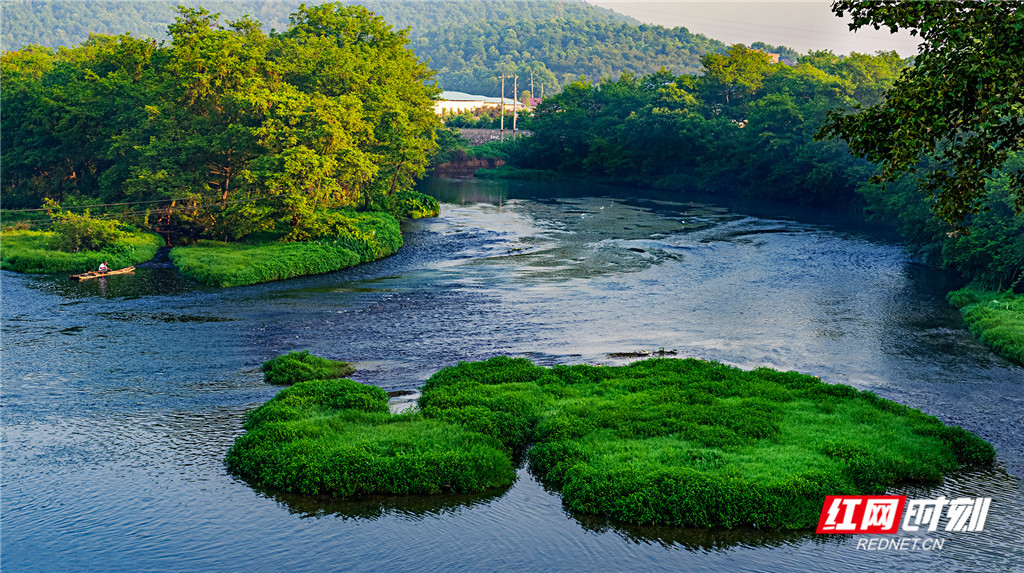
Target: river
121, 397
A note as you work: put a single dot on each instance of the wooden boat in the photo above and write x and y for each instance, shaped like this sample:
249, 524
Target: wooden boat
97, 274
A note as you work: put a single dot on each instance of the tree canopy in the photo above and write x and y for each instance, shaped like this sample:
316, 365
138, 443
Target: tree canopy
237, 130
962, 102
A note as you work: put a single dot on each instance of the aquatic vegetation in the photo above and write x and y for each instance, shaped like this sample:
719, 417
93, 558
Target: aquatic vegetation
342, 240
33, 252
339, 437
996, 318
294, 367
663, 441
695, 443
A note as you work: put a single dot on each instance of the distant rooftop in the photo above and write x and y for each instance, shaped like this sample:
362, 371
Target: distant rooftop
460, 96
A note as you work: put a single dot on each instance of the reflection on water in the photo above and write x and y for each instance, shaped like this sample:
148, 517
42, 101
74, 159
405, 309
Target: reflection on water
122, 397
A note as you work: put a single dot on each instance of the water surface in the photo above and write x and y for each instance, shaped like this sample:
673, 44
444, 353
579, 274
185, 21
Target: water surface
121, 397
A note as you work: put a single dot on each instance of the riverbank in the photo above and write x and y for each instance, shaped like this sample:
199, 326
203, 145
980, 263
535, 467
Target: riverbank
995, 318
347, 238
687, 443
27, 251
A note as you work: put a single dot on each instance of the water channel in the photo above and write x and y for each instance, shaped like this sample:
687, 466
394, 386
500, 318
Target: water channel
121, 397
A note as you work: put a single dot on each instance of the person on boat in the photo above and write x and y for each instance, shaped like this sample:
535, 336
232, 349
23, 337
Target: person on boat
104, 268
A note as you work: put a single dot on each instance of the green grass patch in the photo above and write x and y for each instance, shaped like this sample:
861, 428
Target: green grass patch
510, 172
996, 318
697, 444
663, 441
294, 367
338, 437
352, 238
31, 252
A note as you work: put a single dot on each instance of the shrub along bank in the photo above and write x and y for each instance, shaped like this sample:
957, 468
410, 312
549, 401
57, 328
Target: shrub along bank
38, 252
677, 442
335, 240
996, 318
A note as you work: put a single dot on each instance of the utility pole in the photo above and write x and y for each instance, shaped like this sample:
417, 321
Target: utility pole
515, 108
502, 133
533, 94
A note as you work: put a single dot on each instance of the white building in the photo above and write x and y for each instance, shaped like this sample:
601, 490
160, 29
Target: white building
458, 102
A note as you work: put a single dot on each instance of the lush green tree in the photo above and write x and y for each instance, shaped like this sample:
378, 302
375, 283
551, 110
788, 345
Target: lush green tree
245, 131
734, 77
962, 101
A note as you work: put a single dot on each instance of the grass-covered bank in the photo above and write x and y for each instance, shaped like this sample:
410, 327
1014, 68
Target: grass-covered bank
996, 318
663, 441
33, 252
345, 240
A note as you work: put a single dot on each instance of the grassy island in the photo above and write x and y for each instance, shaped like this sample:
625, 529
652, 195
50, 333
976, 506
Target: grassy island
662, 441
997, 318
33, 252
350, 239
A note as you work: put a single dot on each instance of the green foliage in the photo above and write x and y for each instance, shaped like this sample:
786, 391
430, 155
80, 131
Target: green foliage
295, 367
227, 130
76, 232
335, 240
58, 23
962, 102
695, 443
409, 204
990, 252
743, 125
555, 51
31, 252
997, 318
337, 437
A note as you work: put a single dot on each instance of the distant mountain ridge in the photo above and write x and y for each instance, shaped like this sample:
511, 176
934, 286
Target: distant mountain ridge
469, 42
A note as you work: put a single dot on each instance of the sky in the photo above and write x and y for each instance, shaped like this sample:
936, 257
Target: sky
803, 26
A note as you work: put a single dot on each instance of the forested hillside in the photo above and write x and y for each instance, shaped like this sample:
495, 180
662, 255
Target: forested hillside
556, 52
468, 42
57, 23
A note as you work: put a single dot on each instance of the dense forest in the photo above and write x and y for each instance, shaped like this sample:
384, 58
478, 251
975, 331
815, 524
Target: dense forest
224, 131
554, 53
56, 23
748, 126
468, 42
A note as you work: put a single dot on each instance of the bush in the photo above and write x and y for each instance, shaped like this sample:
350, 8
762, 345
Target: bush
31, 252
294, 367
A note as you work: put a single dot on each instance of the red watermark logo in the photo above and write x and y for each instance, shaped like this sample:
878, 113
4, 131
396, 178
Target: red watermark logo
861, 513
881, 514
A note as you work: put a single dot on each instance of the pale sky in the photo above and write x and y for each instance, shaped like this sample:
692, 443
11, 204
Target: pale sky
805, 25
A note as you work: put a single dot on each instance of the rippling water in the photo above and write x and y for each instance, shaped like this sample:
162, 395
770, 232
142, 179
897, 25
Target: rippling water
121, 397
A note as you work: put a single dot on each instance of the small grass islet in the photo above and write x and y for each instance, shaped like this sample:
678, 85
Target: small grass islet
997, 318
662, 441
294, 367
